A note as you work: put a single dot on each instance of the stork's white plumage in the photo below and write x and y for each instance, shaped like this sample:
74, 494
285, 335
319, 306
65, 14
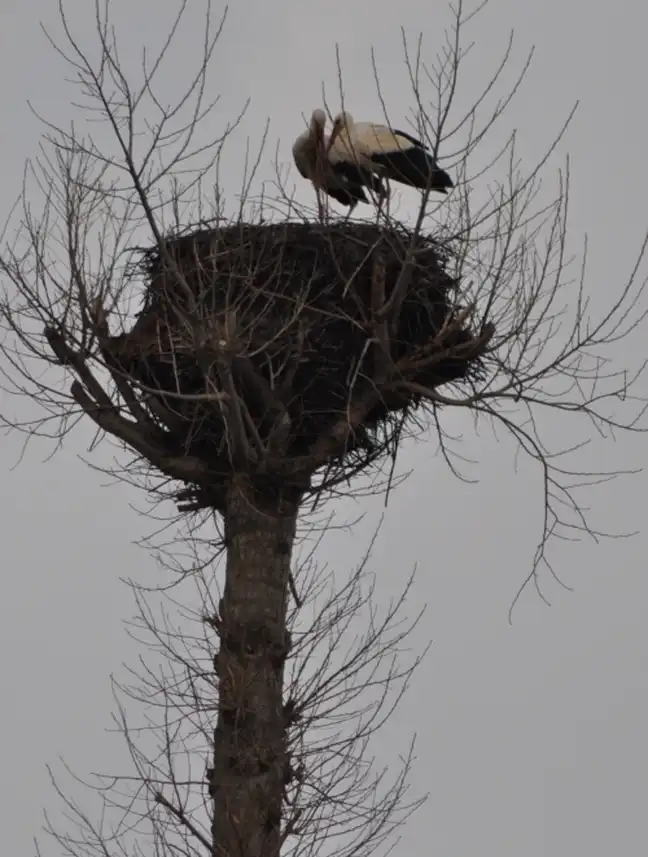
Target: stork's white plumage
388, 153
309, 151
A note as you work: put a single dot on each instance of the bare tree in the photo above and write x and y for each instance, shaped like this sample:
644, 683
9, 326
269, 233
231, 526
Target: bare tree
273, 359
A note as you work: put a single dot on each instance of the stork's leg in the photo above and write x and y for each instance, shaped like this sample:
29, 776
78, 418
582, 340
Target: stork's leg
379, 206
383, 200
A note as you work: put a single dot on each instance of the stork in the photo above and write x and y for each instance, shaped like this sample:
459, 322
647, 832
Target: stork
343, 181
389, 154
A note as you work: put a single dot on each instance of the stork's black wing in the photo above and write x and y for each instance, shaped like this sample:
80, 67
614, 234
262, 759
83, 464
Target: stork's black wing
414, 166
409, 137
347, 194
356, 177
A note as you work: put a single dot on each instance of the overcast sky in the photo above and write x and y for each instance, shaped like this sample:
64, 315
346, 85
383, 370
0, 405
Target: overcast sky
531, 736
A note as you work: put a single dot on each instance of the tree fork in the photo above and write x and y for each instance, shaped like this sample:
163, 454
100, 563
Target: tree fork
250, 754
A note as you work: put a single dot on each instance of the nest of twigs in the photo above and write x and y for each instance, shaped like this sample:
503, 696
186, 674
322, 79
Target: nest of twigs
286, 330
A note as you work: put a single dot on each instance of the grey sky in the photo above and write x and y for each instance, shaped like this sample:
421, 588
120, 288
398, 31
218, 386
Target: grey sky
531, 737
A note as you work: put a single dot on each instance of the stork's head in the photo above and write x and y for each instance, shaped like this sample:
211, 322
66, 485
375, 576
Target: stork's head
343, 121
316, 129
318, 120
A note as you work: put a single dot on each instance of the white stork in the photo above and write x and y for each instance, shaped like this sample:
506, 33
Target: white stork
343, 181
389, 154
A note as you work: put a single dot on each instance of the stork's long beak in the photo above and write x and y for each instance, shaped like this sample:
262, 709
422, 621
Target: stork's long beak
335, 132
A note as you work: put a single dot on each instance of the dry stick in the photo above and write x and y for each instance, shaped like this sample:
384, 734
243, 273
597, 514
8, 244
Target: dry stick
293, 590
426, 392
99, 407
384, 363
166, 416
331, 443
69, 357
124, 388
235, 433
235, 420
184, 820
194, 499
424, 358
281, 426
391, 310
185, 468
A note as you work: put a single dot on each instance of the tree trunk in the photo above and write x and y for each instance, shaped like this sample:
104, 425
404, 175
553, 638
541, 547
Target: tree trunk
250, 758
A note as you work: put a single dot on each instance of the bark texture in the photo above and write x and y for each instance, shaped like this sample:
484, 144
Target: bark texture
250, 757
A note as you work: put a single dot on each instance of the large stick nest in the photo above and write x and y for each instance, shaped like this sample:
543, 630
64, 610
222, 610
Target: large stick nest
273, 328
